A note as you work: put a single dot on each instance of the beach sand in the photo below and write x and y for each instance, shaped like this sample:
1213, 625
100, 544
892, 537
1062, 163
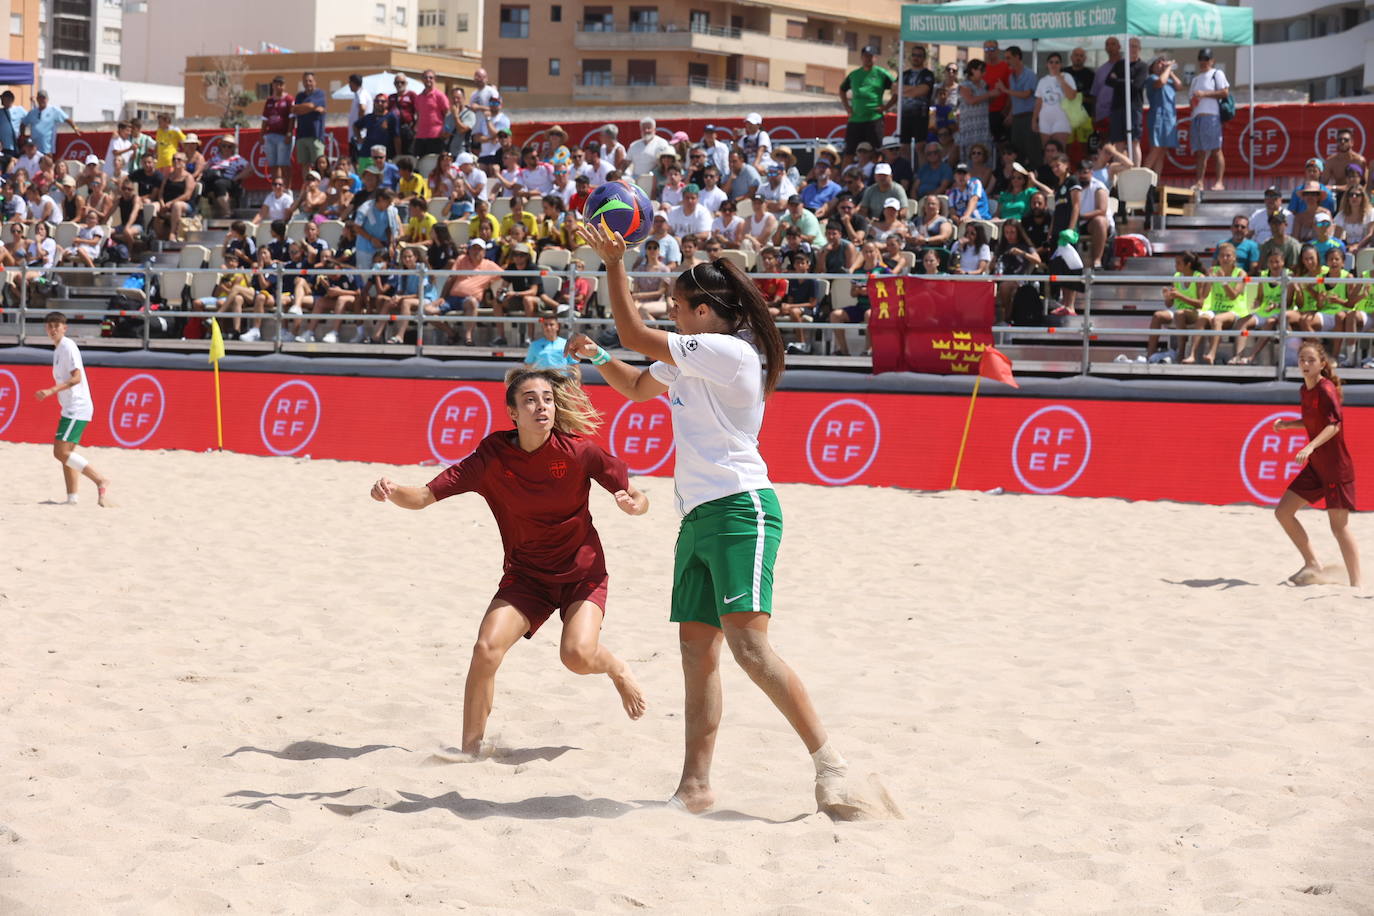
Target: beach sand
226, 693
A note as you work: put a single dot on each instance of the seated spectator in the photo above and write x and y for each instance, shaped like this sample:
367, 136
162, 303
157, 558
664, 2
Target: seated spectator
1336, 171
818, 196
968, 199
444, 251
410, 294
980, 167
389, 171
582, 190
729, 225
713, 197
410, 185
262, 281
876, 195
773, 288
465, 292
1225, 301
442, 178
895, 256
668, 247
1306, 298
598, 168
1094, 215
195, 159
797, 215
890, 223
1014, 201
419, 228
1259, 220
519, 215
776, 189
557, 227
971, 253
870, 265
90, 238
838, 255
174, 201
482, 214
692, 253
761, 225
743, 179
1305, 220
651, 294
335, 292
931, 228
1265, 316
146, 177
469, 181
670, 192
1247, 251
1325, 240
1183, 302
276, 205
1338, 301
936, 175
931, 263
547, 350
311, 203
1014, 256
562, 188
534, 176
1354, 224
854, 222
658, 175
1312, 173
223, 171
231, 293
1281, 242
800, 301
792, 242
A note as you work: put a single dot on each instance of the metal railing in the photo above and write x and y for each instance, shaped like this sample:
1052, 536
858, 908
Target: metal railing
1083, 329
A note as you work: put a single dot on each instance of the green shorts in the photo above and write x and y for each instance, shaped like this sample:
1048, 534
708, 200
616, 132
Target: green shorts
723, 563
69, 430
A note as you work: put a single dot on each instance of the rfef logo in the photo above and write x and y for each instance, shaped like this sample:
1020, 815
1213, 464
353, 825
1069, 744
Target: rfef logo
843, 441
1324, 142
642, 435
290, 416
136, 410
78, 150
1266, 457
1268, 139
460, 420
1051, 449
9, 398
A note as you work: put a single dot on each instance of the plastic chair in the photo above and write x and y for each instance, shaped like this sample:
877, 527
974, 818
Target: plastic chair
438, 207
331, 231
426, 164
744, 209
588, 256
1133, 188
910, 258
263, 234
193, 256
736, 257
555, 258
65, 233
203, 285
458, 230
500, 207
1364, 260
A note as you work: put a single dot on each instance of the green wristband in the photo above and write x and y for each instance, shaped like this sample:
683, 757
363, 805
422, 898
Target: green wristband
601, 358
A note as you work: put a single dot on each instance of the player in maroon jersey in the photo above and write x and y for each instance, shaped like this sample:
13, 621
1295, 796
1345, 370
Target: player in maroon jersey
1328, 472
536, 479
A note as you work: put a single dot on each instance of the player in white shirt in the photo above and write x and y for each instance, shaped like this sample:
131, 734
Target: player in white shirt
716, 382
74, 394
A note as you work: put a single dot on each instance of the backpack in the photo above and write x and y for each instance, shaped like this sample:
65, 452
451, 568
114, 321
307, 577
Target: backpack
1226, 107
1028, 306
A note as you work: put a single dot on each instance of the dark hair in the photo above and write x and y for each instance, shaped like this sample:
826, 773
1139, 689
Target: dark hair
279, 227
1054, 55
407, 163
1021, 238
980, 235
728, 292
1328, 372
1192, 259
974, 64
54, 318
1014, 51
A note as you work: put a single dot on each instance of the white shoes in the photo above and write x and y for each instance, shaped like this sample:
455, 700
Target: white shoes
307, 337
251, 334
331, 337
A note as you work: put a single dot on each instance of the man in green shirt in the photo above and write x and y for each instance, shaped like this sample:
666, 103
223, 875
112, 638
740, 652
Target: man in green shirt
797, 215
861, 94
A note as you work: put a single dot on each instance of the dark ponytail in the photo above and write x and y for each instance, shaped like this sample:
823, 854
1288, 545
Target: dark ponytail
722, 286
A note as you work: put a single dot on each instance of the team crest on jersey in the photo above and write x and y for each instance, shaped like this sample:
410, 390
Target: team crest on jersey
558, 469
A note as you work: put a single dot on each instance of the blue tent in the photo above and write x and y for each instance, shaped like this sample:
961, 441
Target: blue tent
16, 73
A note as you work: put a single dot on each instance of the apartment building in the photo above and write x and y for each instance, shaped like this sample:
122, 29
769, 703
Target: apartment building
680, 51
1322, 49
443, 25
26, 41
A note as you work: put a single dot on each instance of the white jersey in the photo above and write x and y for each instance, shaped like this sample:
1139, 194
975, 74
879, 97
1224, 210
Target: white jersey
715, 391
75, 401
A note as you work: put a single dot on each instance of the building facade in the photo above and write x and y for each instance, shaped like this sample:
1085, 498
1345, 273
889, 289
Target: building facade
83, 35
622, 52
26, 41
1318, 48
448, 24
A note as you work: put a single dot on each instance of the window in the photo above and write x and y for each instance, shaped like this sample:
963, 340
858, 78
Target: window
107, 114
16, 23
754, 71
69, 62
427, 19
556, 13
596, 73
642, 72
794, 82
796, 29
877, 44
111, 70
111, 36
262, 91
379, 13
71, 35
400, 15
643, 19
555, 66
513, 73
700, 21
698, 74
598, 19
851, 40
462, 22
515, 22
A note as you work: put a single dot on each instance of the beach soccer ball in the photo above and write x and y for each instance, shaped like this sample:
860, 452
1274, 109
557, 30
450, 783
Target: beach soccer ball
623, 206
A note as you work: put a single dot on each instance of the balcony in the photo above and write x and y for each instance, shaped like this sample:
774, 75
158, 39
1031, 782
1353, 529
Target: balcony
602, 88
708, 40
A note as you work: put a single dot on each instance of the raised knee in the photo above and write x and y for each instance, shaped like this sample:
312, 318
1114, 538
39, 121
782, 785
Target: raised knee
577, 659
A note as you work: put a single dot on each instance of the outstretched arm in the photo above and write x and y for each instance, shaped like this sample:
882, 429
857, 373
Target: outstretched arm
384, 490
634, 333
631, 381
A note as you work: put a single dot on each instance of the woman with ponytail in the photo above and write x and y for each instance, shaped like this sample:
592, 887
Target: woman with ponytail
1328, 472
717, 369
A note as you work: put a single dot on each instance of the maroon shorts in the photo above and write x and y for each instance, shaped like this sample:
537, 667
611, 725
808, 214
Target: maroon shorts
537, 599
1310, 486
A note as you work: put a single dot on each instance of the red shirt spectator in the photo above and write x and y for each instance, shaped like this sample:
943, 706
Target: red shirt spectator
276, 113
403, 104
999, 72
772, 290
430, 108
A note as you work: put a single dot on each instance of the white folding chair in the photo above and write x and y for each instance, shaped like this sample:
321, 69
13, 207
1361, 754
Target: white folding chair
555, 258
1133, 187
331, 231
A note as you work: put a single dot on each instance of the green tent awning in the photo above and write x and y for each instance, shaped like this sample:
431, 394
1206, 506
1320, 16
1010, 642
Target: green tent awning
1179, 23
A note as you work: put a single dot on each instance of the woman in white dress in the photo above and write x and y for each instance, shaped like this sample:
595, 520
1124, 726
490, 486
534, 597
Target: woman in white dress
1049, 119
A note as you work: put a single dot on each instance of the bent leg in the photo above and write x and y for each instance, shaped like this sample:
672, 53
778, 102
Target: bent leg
581, 651
501, 628
1287, 514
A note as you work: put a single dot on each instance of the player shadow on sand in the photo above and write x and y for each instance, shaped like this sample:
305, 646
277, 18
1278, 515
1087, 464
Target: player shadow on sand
269, 798
316, 750
540, 807
1209, 583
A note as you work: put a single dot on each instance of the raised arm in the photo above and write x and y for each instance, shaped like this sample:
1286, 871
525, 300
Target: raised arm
384, 490
634, 333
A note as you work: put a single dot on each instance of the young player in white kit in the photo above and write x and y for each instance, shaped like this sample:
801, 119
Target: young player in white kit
74, 394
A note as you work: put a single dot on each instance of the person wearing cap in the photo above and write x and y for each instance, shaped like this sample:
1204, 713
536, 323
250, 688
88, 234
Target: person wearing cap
1325, 238
862, 94
222, 171
488, 136
276, 128
806, 222
875, 195
195, 159
1259, 219
717, 151
968, 199
1279, 239
465, 293
1206, 91
91, 166
754, 141
1304, 219
776, 189
668, 246
42, 122
119, 154
308, 112
1312, 173
402, 103
1334, 175
818, 196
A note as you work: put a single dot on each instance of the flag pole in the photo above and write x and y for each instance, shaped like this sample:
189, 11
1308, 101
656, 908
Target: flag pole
219, 419
216, 354
968, 421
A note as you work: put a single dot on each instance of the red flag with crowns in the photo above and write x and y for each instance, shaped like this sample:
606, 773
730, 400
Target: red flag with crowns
997, 366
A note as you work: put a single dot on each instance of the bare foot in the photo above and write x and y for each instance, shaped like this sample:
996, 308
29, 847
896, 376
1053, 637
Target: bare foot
1188, 360
630, 694
1306, 574
693, 798
1219, 186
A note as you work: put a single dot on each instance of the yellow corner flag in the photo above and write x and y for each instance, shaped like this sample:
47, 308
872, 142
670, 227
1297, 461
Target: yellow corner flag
217, 354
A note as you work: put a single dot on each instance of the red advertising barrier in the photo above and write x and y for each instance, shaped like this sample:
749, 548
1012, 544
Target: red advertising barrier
936, 326
1076, 448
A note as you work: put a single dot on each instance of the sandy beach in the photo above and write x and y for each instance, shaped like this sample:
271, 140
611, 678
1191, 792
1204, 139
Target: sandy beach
225, 694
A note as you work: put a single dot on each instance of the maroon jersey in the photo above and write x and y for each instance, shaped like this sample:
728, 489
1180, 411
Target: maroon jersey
276, 114
539, 500
1321, 406
403, 103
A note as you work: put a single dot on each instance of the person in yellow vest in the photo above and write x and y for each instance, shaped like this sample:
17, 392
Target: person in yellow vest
1225, 301
1336, 299
1361, 318
1182, 301
1303, 298
1269, 306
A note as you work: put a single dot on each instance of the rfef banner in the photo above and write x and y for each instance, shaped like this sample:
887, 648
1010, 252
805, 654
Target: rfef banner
1023, 444
920, 325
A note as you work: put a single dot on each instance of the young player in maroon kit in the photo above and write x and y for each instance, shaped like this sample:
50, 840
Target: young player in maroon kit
536, 480
1328, 473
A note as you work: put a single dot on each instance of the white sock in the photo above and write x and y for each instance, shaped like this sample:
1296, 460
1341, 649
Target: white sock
71, 499
829, 762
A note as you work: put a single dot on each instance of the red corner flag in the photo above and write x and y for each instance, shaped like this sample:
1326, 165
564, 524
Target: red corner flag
995, 365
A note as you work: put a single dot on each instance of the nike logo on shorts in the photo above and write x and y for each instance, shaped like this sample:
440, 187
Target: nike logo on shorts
736, 598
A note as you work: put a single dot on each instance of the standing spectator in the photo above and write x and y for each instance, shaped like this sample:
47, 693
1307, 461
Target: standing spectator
169, 140
717, 152
141, 141
1021, 87
309, 114
1161, 87
402, 102
431, 107
755, 142
377, 128
42, 122
1122, 100
1101, 91
480, 102
1082, 76
378, 226
458, 124
1208, 88
1049, 119
496, 122
276, 128
918, 90
1247, 251
11, 127
118, 155
996, 71
359, 107
1333, 175
861, 94
644, 152
974, 97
